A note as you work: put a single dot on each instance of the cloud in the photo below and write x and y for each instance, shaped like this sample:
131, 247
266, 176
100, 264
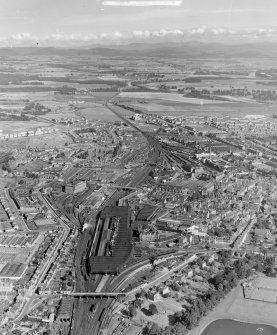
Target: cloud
200, 33
212, 31
145, 34
142, 3
60, 39
141, 34
21, 36
222, 31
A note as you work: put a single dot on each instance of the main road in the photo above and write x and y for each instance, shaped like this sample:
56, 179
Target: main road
30, 293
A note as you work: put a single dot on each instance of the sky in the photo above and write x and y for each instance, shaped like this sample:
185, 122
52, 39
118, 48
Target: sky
69, 22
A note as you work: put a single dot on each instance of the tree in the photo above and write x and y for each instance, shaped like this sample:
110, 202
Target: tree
213, 298
132, 310
208, 304
175, 286
269, 271
177, 317
192, 318
231, 278
151, 329
269, 263
138, 303
141, 294
224, 255
201, 306
176, 329
217, 279
241, 268
153, 309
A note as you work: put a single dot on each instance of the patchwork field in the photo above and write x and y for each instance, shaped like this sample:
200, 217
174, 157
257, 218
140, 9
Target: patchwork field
170, 108
175, 97
251, 82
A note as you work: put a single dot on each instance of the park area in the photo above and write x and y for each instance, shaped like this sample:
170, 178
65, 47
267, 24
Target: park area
165, 308
235, 307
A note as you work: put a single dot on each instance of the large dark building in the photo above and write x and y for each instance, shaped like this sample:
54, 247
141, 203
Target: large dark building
119, 248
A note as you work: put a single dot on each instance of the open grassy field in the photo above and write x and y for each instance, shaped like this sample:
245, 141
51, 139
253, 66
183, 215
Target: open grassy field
49, 140
56, 84
18, 126
98, 113
123, 111
251, 82
107, 77
175, 97
6, 181
46, 141
61, 114
103, 96
26, 95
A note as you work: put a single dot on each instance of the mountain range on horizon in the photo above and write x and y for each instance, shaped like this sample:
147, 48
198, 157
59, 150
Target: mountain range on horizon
193, 49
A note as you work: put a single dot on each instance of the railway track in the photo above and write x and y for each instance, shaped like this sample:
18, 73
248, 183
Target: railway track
83, 321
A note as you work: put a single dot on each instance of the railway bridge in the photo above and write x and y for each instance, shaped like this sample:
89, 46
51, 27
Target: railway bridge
83, 294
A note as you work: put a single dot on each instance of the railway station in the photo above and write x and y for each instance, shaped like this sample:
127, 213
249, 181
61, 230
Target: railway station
113, 246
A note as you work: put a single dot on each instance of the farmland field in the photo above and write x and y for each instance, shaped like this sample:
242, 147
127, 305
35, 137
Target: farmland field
123, 111
213, 84
170, 108
18, 126
99, 113
168, 97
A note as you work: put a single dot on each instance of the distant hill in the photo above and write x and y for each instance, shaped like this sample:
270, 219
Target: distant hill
165, 49
7, 52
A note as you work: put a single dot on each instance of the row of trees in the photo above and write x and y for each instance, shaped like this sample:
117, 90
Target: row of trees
13, 117
259, 95
132, 109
